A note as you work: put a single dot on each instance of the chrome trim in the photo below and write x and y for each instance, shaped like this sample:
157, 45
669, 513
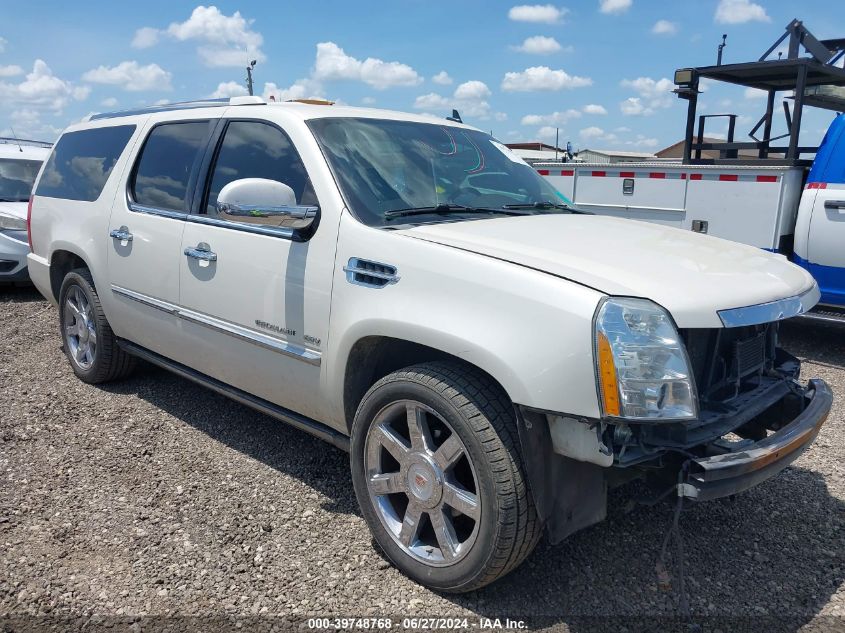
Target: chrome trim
245, 334
164, 213
354, 268
768, 312
293, 217
273, 231
169, 308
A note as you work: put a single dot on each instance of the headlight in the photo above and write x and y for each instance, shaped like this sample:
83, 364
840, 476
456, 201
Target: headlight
11, 223
641, 362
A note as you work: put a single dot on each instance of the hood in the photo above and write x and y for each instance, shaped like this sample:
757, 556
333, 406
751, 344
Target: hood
691, 275
14, 209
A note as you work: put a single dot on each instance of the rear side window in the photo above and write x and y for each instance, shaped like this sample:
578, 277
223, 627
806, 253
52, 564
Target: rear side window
167, 160
82, 162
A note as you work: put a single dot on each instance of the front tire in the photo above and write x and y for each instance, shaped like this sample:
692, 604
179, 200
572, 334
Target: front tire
438, 475
88, 340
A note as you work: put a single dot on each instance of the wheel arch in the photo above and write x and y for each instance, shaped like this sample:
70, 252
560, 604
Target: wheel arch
374, 356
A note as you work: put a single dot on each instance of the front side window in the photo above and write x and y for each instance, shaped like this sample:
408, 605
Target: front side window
17, 178
395, 172
82, 162
251, 149
167, 160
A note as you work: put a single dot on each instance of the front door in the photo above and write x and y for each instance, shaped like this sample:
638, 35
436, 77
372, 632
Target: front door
146, 233
255, 303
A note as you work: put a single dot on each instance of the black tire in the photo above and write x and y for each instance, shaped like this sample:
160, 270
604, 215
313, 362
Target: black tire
480, 413
109, 361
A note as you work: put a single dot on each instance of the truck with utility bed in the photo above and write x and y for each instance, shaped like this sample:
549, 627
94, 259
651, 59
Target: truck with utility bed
492, 359
787, 199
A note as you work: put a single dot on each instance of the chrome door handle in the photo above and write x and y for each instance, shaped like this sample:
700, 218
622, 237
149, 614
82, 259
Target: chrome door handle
121, 234
202, 252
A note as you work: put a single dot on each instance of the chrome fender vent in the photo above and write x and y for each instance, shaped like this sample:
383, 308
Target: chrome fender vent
370, 274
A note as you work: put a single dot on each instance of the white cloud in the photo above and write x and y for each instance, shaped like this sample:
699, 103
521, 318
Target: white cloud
228, 89
442, 78
300, 89
614, 6
41, 89
225, 40
145, 37
555, 118
739, 12
755, 93
632, 106
542, 78
592, 132
653, 94
539, 45
333, 63
472, 90
664, 27
130, 75
469, 99
545, 13
10, 71
594, 108
109, 102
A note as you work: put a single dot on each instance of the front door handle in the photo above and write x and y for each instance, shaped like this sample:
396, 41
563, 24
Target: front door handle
834, 204
201, 251
121, 234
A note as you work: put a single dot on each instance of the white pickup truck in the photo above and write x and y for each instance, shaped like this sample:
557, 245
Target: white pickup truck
492, 360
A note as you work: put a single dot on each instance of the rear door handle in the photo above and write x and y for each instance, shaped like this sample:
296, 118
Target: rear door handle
834, 204
121, 234
201, 251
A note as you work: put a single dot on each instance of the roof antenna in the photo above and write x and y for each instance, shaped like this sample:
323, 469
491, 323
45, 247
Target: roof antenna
721, 48
16, 137
456, 117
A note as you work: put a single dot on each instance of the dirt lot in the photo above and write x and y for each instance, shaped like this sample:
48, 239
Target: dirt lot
155, 497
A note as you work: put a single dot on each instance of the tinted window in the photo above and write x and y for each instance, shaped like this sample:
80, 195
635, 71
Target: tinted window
251, 149
82, 161
17, 178
161, 177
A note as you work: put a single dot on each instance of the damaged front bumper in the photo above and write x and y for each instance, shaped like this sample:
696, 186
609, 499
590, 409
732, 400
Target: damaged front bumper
745, 466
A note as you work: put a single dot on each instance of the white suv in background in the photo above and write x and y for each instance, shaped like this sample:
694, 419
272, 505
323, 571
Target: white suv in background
20, 162
492, 358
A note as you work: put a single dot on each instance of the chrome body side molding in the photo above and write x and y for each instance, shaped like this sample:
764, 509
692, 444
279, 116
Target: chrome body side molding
296, 420
245, 334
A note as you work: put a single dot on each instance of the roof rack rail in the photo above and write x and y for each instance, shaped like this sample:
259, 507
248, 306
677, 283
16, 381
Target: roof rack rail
180, 105
10, 140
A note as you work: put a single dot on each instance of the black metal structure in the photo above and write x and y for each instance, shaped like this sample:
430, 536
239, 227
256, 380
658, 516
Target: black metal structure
810, 74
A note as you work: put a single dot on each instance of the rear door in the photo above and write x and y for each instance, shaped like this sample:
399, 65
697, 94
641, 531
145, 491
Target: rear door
826, 236
255, 311
145, 232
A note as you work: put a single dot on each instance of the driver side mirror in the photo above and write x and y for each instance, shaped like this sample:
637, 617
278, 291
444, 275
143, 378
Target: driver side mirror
263, 202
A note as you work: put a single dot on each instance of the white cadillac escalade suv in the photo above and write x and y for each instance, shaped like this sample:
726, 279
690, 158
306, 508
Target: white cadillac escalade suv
409, 290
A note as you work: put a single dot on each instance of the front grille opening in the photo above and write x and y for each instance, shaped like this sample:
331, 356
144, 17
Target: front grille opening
728, 362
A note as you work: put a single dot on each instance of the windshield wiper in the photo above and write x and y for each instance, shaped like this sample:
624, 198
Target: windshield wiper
445, 209
544, 206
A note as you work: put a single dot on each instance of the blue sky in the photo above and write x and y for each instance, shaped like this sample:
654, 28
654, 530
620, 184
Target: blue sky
599, 70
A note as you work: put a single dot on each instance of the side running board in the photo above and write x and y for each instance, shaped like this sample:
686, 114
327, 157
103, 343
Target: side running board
296, 420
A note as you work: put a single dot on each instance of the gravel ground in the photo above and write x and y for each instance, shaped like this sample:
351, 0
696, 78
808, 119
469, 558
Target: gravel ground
156, 497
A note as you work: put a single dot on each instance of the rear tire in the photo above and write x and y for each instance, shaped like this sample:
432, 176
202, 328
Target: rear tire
453, 513
87, 338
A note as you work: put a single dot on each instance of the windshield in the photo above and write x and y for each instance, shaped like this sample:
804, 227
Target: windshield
16, 179
389, 170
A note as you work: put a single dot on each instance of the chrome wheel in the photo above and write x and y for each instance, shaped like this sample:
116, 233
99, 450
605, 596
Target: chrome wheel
80, 328
422, 483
